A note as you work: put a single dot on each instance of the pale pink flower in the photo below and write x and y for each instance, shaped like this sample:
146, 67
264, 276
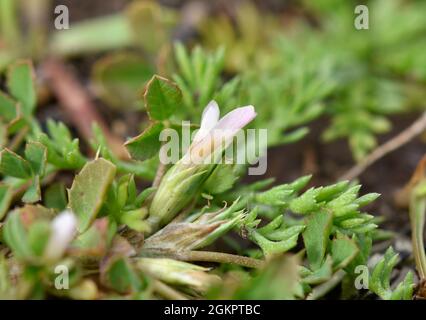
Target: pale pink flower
216, 134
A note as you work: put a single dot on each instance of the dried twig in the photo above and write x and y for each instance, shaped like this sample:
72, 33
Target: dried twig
74, 98
418, 127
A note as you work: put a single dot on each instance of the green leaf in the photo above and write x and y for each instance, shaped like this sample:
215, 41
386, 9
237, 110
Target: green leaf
321, 274
140, 199
89, 190
38, 236
343, 251
281, 195
316, 236
380, 279
62, 151
162, 97
36, 154
55, 196
306, 203
364, 243
121, 277
8, 108
279, 280
271, 248
33, 193
11, 164
20, 81
296, 135
6, 195
222, 179
15, 236
147, 144
3, 135
276, 196
94, 241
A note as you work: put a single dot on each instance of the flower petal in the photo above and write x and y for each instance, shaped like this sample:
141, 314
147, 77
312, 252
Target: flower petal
219, 138
236, 119
209, 120
63, 227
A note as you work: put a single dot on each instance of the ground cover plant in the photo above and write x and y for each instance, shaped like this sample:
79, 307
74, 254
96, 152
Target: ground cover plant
97, 200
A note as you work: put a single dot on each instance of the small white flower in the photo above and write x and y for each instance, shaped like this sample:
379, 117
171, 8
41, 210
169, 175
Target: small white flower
63, 229
215, 135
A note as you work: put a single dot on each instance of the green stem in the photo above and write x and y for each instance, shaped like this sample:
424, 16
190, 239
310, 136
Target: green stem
167, 291
220, 257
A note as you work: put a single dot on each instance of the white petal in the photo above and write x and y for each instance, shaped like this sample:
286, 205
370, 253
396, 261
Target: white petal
63, 230
236, 119
219, 138
209, 120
